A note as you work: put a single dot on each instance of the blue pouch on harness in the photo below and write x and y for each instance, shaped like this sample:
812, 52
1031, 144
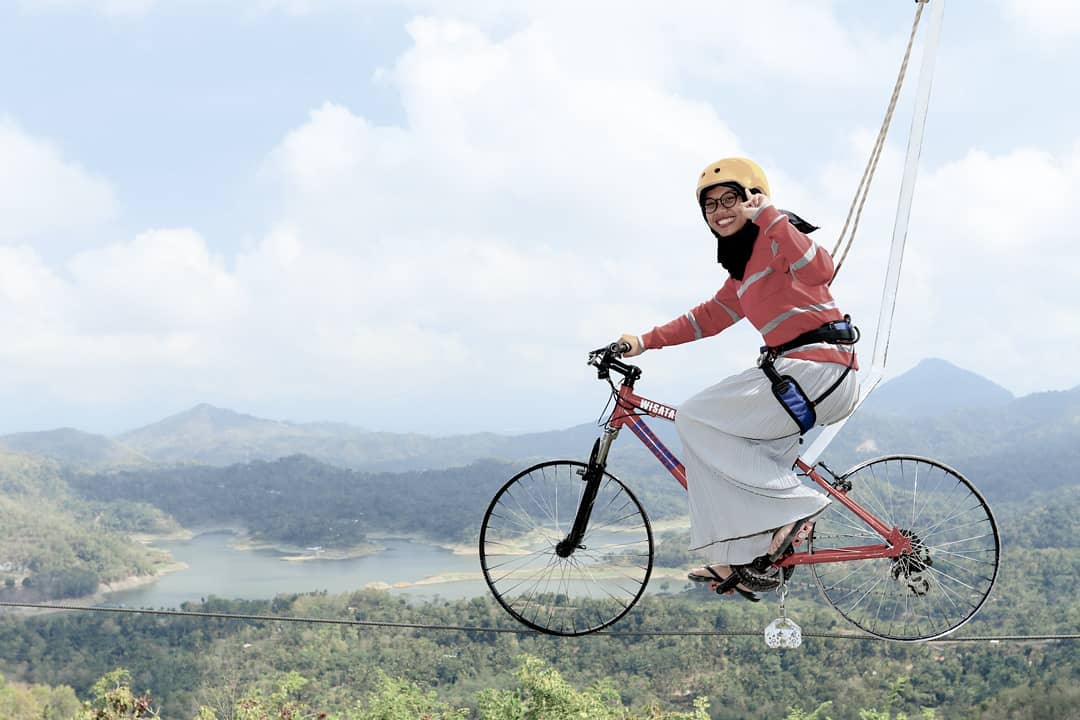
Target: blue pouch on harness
794, 400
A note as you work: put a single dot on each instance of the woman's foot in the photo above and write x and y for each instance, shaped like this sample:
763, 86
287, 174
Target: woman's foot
781, 538
718, 576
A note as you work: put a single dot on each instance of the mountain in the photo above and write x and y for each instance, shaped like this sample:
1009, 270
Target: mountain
208, 435
933, 388
215, 436
1001, 442
74, 447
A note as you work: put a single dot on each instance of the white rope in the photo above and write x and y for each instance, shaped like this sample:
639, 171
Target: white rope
871, 166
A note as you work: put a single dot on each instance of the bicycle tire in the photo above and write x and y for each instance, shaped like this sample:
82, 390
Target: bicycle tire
955, 559
580, 594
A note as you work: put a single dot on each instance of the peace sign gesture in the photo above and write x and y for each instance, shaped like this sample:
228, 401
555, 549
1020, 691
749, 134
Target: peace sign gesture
754, 204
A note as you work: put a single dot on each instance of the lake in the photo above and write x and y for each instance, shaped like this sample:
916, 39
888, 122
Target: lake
216, 568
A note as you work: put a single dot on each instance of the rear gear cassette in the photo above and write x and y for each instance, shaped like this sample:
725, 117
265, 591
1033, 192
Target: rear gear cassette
912, 565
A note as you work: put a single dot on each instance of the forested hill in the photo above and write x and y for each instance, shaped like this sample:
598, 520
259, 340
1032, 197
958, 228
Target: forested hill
74, 447
1008, 451
54, 544
301, 501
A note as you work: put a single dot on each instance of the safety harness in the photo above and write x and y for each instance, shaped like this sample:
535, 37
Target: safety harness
787, 390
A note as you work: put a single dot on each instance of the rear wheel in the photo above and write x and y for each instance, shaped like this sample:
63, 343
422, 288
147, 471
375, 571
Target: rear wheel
589, 589
955, 549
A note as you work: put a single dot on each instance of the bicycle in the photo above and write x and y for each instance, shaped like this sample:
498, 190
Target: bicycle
908, 551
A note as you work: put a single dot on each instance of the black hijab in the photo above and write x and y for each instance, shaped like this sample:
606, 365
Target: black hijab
733, 251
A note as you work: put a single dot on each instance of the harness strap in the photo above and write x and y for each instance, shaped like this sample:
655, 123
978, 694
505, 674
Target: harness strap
832, 388
785, 388
838, 332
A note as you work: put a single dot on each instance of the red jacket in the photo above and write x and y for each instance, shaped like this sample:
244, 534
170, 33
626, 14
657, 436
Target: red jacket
784, 293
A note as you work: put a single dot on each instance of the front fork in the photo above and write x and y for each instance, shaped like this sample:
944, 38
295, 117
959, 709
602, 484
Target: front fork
591, 476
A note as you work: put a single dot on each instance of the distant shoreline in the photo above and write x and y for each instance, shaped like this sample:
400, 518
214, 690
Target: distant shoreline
243, 541
455, 548
133, 581
104, 589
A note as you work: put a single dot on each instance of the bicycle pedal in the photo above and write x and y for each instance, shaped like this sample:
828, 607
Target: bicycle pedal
783, 633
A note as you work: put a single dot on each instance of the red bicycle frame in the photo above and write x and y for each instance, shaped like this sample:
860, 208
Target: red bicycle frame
633, 406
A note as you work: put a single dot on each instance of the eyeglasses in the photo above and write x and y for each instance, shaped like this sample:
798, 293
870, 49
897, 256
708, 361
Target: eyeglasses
726, 201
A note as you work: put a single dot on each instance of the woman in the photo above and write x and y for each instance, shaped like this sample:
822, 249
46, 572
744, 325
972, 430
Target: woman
739, 441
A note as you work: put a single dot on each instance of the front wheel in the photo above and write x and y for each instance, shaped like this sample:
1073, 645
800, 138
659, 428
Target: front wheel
955, 553
593, 586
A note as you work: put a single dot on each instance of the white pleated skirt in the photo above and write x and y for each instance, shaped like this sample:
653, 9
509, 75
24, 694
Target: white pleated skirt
739, 447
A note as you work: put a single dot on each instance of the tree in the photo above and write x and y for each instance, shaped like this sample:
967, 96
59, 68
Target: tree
281, 704
545, 695
112, 699
397, 699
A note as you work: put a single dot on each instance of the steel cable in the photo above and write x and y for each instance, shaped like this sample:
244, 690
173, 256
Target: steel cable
516, 631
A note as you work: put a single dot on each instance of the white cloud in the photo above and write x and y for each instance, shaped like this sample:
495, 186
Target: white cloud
534, 203
1054, 20
32, 297
105, 7
163, 281
537, 202
41, 192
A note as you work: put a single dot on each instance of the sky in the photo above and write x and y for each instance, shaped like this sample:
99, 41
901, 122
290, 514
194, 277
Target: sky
418, 216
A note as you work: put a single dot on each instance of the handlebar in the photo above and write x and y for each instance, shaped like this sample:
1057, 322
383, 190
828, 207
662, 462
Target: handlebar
616, 349
607, 358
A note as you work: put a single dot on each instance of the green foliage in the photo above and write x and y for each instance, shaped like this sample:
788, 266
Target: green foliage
214, 663
47, 550
30, 477
398, 699
545, 694
37, 702
53, 545
1045, 520
300, 501
112, 699
815, 714
282, 702
1039, 700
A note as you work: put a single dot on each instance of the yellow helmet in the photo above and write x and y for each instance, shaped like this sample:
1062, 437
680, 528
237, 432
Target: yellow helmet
744, 171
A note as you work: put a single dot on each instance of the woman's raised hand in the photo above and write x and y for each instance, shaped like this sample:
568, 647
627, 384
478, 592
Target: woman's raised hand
754, 204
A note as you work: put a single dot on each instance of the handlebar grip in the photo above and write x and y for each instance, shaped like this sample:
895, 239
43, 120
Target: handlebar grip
619, 348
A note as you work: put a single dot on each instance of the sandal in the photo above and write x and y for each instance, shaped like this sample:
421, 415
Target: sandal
722, 585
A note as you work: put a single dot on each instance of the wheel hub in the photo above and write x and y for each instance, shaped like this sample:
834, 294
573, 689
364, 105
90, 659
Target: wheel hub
910, 568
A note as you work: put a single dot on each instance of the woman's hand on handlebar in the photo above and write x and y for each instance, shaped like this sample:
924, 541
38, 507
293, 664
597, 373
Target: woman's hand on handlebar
635, 345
